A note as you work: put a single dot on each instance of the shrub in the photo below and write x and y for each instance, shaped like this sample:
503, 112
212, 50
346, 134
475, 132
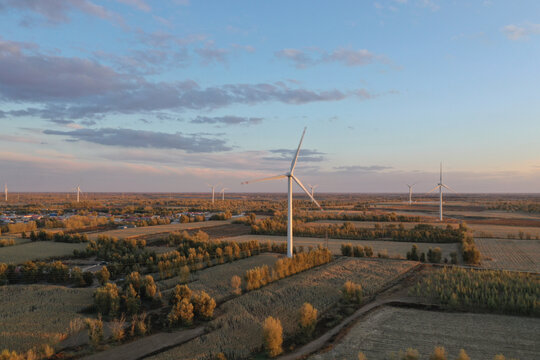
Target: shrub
273, 336
439, 353
117, 329
361, 356
95, 331
352, 293
410, 354
139, 326
308, 320
463, 355
236, 284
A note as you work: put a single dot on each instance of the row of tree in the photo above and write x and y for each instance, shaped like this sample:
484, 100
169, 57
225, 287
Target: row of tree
57, 237
263, 275
34, 272
470, 289
420, 233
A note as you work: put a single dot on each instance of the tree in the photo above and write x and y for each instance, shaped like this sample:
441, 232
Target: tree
95, 330
150, 288
307, 320
181, 292
361, 356
351, 292
103, 275
236, 284
463, 355
132, 300
273, 336
203, 305
410, 354
107, 299
439, 353
88, 278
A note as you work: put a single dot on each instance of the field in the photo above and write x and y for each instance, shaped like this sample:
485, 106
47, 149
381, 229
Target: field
215, 280
522, 255
393, 247
238, 332
37, 251
32, 315
391, 329
157, 229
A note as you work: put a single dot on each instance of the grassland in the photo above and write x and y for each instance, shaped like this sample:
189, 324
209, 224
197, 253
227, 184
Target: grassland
157, 229
31, 315
483, 336
38, 250
393, 248
216, 280
238, 333
522, 255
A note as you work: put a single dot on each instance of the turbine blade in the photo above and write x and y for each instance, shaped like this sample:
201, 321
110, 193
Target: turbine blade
435, 188
305, 190
264, 179
295, 159
449, 188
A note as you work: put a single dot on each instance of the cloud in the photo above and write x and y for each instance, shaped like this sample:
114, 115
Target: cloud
227, 120
360, 168
139, 4
190, 143
302, 58
306, 155
515, 32
57, 11
210, 54
20, 139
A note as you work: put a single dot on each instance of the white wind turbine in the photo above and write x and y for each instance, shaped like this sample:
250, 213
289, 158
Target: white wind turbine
6, 191
312, 187
213, 187
223, 193
440, 186
410, 192
78, 189
290, 177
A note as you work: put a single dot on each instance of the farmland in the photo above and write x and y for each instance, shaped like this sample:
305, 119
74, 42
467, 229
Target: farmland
238, 332
522, 255
157, 229
394, 248
36, 251
32, 315
390, 330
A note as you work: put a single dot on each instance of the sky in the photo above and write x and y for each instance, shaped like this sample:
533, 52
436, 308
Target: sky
173, 95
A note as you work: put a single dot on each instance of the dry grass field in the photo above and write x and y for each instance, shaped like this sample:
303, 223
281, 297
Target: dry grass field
391, 329
238, 332
32, 315
521, 255
215, 280
157, 229
393, 248
36, 251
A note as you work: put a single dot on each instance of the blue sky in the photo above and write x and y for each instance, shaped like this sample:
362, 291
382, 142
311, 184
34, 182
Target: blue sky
140, 95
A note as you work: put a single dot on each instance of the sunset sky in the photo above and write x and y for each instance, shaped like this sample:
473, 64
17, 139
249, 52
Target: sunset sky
140, 95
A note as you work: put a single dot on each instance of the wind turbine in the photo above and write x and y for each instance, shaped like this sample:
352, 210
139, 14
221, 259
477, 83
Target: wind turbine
440, 186
312, 187
223, 193
213, 187
5, 191
78, 189
290, 177
410, 192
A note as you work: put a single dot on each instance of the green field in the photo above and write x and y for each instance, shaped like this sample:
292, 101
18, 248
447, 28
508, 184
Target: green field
38, 250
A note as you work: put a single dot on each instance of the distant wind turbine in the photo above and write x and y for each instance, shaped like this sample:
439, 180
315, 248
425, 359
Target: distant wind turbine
440, 186
213, 187
290, 177
6, 191
223, 193
78, 189
312, 187
410, 192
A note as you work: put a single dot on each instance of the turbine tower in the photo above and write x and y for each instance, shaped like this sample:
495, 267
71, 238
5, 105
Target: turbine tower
290, 177
410, 192
6, 191
78, 188
213, 187
312, 187
223, 194
440, 186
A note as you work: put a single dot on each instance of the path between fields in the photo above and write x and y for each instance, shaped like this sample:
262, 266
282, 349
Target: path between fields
391, 295
148, 345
